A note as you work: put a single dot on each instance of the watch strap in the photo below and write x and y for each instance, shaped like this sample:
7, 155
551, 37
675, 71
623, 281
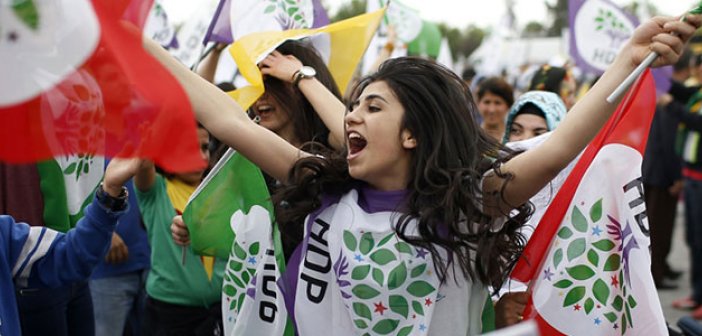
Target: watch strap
109, 202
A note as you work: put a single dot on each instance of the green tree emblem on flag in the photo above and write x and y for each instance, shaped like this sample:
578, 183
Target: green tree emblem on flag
81, 165
391, 266
608, 22
27, 12
589, 267
239, 273
246, 256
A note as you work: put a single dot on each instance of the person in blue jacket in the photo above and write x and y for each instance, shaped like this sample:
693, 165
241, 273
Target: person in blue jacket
38, 256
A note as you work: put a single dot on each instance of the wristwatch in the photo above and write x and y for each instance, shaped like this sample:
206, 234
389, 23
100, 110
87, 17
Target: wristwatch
304, 72
109, 202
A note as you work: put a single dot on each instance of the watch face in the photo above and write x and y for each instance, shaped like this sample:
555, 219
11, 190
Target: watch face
307, 71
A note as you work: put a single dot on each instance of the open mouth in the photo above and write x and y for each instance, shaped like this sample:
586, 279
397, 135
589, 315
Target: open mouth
356, 143
263, 110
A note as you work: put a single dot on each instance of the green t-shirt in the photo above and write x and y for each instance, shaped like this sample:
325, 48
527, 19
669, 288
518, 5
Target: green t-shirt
169, 280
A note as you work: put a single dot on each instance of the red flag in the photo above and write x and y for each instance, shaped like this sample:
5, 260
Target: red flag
72, 90
587, 261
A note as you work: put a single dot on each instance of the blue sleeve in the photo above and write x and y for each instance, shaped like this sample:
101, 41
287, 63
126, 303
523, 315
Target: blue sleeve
42, 257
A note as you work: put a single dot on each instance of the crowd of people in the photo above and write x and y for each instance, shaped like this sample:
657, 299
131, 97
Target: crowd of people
412, 158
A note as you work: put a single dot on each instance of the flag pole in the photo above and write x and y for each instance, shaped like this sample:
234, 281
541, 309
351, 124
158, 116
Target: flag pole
650, 58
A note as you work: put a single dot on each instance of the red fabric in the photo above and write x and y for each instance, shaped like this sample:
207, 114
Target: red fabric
629, 125
623, 127
144, 112
692, 174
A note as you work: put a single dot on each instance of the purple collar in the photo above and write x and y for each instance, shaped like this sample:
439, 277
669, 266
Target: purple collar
373, 200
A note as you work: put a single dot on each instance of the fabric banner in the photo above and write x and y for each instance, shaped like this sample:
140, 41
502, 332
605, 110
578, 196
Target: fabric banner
347, 41
599, 28
234, 19
97, 84
588, 260
158, 27
190, 48
234, 185
353, 277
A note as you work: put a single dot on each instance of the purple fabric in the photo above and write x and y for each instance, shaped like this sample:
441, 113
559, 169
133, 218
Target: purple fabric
372, 201
573, 8
220, 29
662, 78
321, 18
174, 43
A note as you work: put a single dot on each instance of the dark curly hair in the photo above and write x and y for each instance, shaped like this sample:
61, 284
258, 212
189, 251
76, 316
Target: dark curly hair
446, 169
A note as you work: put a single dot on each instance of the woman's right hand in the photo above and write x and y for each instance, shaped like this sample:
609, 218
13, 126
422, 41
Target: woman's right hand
280, 66
179, 231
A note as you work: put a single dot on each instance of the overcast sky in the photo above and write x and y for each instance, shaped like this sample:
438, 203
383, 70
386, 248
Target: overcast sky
459, 13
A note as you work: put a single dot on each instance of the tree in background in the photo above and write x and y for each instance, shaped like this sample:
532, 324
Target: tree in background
349, 9
534, 29
559, 14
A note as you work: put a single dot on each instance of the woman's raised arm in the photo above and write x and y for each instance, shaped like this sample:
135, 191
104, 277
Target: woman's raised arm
535, 168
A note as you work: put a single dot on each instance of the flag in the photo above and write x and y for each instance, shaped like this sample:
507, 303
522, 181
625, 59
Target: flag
233, 185
427, 43
599, 28
588, 260
159, 29
342, 43
234, 19
75, 75
51, 193
220, 30
190, 49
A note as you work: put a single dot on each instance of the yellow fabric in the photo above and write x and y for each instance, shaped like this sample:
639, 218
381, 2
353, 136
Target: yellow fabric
179, 193
348, 39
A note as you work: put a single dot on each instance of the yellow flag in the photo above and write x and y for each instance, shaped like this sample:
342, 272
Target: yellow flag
348, 41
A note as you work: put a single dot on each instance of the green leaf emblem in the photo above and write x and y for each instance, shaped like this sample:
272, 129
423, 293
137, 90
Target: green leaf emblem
579, 220
365, 292
576, 248
27, 12
383, 256
612, 263
580, 272
360, 272
420, 288
349, 241
397, 276
385, 326
399, 305
601, 291
367, 243
574, 296
362, 310
596, 211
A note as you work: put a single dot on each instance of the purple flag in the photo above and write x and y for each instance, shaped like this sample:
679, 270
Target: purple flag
598, 29
321, 18
220, 29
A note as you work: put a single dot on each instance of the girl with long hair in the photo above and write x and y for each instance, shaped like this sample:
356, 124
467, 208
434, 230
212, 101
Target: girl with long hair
406, 232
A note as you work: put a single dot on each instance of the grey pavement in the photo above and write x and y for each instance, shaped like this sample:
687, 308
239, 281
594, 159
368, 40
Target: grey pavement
679, 259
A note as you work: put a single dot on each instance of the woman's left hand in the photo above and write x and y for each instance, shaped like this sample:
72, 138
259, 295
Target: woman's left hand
280, 66
664, 35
